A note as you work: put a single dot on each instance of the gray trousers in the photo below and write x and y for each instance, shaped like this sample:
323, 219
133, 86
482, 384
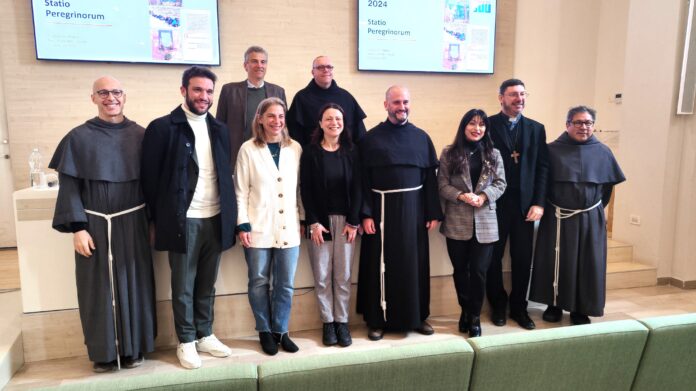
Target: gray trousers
193, 279
331, 263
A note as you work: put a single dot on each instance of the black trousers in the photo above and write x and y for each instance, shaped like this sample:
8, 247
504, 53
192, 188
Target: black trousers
511, 223
470, 260
193, 279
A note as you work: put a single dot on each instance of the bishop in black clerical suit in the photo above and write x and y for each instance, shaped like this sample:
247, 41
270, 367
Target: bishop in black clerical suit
583, 172
522, 144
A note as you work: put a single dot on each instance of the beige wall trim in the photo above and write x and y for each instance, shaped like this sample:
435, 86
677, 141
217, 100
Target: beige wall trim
35, 209
691, 284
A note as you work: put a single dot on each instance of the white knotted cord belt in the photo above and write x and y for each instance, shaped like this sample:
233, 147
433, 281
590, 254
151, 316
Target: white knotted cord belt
562, 214
108, 218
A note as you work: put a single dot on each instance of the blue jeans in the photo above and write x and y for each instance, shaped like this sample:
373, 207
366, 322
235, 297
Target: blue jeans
271, 311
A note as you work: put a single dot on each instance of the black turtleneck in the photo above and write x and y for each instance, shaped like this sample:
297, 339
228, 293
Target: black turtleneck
473, 150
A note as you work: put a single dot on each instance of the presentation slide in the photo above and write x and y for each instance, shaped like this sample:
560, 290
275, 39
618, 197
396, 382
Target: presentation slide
138, 31
451, 36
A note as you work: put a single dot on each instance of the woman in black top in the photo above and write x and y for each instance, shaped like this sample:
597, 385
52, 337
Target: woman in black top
470, 179
331, 198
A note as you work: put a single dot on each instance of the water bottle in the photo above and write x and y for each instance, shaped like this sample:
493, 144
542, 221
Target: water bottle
35, 169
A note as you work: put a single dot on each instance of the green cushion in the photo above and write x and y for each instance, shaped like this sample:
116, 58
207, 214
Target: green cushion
601, 356
669, 360
442, 365
234, 377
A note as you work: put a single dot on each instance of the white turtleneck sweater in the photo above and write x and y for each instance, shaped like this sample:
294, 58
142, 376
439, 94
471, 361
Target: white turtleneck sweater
206, 197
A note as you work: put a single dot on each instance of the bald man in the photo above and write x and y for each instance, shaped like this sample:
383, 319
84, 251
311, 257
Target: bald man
303, 115
99, 167
400, 204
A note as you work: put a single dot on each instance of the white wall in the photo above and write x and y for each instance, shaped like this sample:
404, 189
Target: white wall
556, 55
656, 150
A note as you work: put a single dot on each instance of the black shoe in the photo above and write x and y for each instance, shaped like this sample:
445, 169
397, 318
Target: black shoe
498, 317
523, 320
130, 362
552, 314
577, 318
425, 329
375, 334
286, 343
102, 367
328, 336
343, 334
268, 343
474, 326
463, 322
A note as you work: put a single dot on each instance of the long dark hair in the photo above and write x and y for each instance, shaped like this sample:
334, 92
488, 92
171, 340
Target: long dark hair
344, 138
456, 153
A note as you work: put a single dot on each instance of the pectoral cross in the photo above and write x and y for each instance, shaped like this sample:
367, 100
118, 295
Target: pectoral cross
515, 155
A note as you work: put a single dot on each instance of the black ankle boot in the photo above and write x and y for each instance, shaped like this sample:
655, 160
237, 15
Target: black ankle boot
343, 334
464, 322
474, 326
268, 343
328, 337
286, 343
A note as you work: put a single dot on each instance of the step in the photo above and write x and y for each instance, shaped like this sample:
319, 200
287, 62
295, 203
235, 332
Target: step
622, 275
619, 251
11, 348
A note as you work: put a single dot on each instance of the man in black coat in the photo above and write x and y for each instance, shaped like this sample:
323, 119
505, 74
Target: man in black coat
187, 182
303, 115
522, 144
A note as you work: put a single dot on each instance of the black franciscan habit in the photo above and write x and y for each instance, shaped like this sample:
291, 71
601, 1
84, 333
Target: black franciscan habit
581, 174
303, 115
397, 157
99, 167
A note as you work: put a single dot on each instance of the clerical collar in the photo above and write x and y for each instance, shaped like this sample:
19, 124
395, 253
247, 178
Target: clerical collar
251, 85
514, 121
191, 116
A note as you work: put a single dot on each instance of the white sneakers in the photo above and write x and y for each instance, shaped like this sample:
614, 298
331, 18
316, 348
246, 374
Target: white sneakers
188, 356
213, 346
187, 352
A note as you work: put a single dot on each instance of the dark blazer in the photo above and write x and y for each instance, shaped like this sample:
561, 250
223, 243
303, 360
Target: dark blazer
313, 186
232, 108
460, 216
534, 158
169, 173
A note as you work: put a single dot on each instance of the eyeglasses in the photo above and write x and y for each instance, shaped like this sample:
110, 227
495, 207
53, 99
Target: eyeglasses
105, 93
324, 67
580, 124
523, 94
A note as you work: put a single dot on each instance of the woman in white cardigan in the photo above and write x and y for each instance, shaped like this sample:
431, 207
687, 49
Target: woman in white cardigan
266, 183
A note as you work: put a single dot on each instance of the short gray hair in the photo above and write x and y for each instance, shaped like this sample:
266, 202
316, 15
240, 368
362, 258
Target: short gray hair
254, 49
581, 109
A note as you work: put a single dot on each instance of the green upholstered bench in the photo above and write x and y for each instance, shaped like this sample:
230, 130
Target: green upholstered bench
234, 377
669, 359
601, 356
440, 365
